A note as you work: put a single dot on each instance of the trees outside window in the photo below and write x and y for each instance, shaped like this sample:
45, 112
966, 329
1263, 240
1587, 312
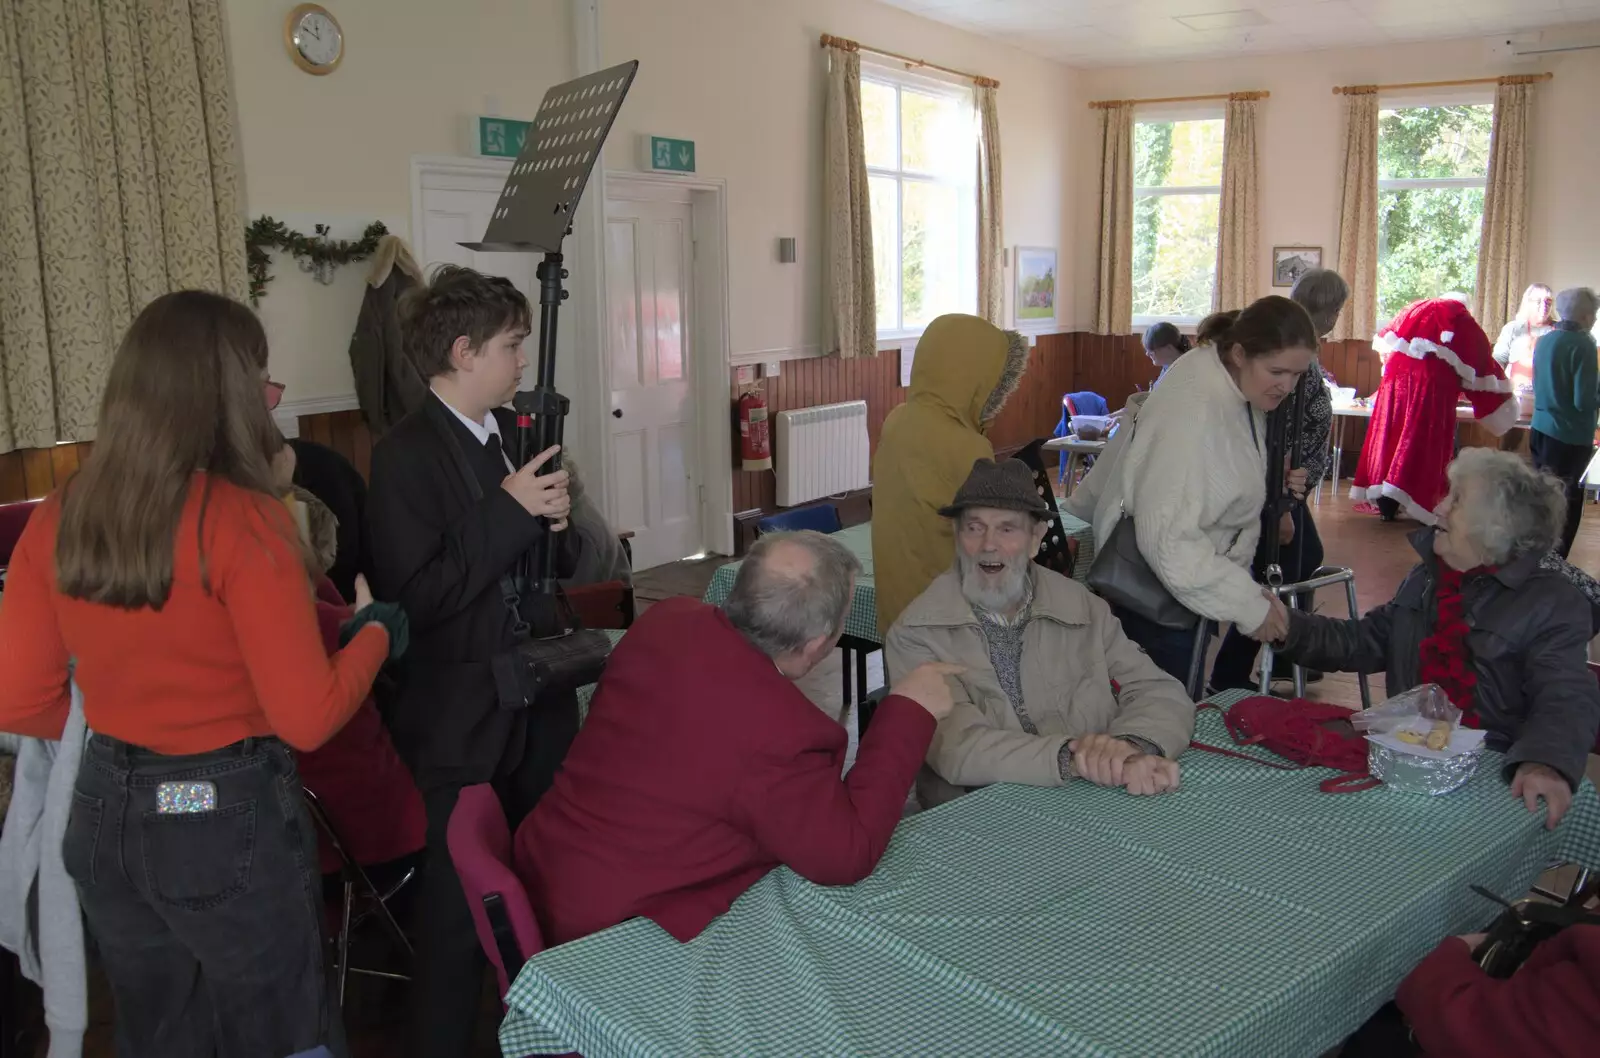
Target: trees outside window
1433, 165
1177, 177
922, 166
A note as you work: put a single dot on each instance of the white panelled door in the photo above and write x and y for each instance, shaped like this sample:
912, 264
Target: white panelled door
655, 474
459, 212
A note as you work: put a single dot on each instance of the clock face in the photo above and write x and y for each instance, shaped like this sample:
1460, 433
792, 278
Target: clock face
317, 38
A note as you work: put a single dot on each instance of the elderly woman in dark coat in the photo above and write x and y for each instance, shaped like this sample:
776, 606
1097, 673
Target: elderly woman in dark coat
1489, 617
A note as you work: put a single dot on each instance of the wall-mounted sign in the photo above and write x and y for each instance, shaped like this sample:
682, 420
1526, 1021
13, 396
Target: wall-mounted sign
501, 137
661, 154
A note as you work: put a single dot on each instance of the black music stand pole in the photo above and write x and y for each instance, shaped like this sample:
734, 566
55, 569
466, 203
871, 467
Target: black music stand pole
533, 215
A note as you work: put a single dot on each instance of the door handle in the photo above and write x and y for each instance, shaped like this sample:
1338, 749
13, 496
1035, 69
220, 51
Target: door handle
616, 413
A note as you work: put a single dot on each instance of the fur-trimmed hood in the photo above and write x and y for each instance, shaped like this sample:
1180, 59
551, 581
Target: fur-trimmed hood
969, 367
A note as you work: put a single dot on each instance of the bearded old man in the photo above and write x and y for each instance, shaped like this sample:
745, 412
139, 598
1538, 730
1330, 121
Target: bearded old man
1051, 690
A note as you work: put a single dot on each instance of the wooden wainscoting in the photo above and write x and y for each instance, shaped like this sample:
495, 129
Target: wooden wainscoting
343, 431
1032, 411
29, 473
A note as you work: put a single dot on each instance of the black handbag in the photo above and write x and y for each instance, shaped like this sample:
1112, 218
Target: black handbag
1522, 926
536, 667
1120, 575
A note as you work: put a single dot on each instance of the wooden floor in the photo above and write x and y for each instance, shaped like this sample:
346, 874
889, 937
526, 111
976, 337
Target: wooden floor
1377, 551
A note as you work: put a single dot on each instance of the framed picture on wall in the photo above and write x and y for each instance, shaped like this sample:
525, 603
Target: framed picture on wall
1289, 263
1036, 287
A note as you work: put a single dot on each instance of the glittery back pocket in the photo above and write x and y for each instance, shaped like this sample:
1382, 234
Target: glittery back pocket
176, 798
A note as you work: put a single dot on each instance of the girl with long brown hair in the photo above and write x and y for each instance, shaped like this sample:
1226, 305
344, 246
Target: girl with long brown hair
167, 580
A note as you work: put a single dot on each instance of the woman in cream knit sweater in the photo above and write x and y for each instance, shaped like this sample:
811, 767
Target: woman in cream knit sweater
1194, 473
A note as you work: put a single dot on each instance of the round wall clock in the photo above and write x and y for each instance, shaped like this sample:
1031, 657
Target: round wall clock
314, 39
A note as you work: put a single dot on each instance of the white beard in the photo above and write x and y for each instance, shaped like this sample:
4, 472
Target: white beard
1002, 594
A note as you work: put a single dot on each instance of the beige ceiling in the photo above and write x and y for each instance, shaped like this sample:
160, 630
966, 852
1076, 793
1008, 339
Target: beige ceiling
1118, 32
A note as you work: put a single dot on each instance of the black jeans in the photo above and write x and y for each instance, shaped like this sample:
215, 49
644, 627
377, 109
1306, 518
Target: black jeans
1567, 462
1299, 558
1172, 649
209, 924
450, 960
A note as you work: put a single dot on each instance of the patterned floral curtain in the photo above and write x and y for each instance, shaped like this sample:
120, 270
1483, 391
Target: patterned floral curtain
1501, 267
1237, 218
1357, 259
850, 320
1114, 282
118, 183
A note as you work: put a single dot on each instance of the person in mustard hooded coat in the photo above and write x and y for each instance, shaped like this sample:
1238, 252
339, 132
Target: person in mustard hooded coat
964, 370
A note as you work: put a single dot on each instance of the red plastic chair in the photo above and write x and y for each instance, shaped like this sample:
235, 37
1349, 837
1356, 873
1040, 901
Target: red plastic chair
480, 846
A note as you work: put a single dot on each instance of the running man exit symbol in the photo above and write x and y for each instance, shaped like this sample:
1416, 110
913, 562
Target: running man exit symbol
670, 155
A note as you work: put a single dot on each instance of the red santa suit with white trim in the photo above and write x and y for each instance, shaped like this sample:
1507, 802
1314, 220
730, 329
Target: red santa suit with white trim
1436, 351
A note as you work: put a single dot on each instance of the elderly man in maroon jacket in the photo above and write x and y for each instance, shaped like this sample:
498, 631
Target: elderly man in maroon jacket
702, 766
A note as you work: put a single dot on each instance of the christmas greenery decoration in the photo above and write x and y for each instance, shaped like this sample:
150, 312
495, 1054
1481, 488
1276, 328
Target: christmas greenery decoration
316, 253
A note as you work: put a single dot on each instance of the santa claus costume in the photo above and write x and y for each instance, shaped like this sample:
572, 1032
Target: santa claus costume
1435, 351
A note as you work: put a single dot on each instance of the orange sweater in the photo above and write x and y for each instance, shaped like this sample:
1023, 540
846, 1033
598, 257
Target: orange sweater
206, 670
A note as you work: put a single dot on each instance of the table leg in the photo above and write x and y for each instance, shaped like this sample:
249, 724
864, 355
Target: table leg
861, 677
1338, 453
844, 669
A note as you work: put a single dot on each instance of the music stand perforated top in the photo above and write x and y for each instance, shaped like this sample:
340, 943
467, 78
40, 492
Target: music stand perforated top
541, 195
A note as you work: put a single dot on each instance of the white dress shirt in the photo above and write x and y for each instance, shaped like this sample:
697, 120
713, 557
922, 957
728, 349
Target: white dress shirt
489, 427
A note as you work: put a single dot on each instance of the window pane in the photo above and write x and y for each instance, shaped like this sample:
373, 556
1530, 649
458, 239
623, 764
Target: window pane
931, 263
1427, 245
1174, 254
877, 123
1177, 153
1420, 142
937, 136
884, 191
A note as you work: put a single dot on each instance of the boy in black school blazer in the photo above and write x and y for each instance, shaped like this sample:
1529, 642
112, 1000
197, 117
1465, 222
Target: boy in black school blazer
440, 553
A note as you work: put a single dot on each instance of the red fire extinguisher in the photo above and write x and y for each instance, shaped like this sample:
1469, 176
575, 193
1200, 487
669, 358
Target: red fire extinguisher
755, 444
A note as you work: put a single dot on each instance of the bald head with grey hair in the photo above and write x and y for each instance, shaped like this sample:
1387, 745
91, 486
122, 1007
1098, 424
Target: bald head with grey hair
793, 590
1322, 292
1504, 507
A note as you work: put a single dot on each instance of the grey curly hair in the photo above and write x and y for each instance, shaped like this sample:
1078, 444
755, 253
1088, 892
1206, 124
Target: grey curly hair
1520, 510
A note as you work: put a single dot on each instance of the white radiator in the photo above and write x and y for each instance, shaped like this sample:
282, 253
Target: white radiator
821, 451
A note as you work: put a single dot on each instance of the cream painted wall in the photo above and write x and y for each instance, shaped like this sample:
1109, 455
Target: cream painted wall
1299, 143
337, 149
744, 79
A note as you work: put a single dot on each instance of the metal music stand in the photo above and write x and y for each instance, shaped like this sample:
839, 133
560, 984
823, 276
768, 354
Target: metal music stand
533, 215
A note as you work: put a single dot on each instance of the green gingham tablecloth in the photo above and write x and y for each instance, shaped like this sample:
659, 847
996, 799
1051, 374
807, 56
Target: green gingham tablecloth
863, 620
1247, 914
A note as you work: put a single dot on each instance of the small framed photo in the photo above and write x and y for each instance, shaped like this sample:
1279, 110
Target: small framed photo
1289, 263
1036, 287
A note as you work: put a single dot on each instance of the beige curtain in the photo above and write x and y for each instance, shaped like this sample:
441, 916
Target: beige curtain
118, 183
1237, 217
851, 320
1505, 206
1113, 312
1357, 258
991, 240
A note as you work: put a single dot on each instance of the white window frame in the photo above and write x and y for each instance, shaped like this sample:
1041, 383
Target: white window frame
1424, 102
1157, 115
899, 80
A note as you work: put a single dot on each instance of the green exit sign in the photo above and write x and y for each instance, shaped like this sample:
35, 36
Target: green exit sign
665, 155
501, 137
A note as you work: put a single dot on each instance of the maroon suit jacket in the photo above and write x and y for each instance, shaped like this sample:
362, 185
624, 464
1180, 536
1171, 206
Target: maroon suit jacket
701, 768
1550, 1007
